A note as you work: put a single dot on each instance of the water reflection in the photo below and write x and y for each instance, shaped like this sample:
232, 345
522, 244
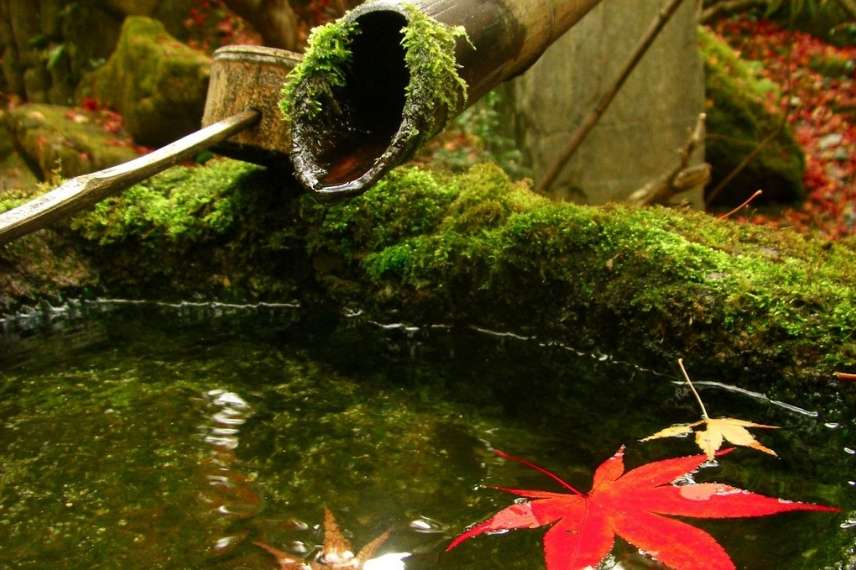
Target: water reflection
229, 493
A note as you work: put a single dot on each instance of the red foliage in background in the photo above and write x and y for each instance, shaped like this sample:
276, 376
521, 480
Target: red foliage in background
822, 112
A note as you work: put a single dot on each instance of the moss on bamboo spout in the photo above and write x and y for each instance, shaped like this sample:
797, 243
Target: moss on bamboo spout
436, 92
435, 89
309, 87
372, 87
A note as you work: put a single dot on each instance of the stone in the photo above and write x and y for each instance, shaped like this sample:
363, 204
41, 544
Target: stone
157, 83
74, 140
637, 139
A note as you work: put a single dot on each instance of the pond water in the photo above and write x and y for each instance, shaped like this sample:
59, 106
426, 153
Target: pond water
157, 436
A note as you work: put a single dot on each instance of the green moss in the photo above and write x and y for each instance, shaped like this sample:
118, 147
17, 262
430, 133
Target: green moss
309, 86
436, 91
197, 231
180, 204
639, 279
13, 198
745, 75
739, 117
72, 141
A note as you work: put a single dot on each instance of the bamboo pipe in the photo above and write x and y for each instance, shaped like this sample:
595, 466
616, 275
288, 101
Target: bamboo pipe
344, 156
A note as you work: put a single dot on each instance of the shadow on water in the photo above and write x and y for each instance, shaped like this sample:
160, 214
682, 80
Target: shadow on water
174, 436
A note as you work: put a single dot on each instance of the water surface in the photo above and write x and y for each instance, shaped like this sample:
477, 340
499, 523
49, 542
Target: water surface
171, 437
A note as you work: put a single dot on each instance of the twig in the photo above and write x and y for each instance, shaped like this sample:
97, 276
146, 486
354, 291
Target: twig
745, 203
690, 382
673, 183
595, 114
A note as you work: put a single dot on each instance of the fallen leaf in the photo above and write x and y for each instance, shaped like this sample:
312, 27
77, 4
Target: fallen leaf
635, 506
717, 430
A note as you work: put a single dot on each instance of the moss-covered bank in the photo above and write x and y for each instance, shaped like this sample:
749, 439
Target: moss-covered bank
649, 284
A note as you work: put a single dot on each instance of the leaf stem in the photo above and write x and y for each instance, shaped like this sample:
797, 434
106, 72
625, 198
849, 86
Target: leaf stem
690, 382
540, 469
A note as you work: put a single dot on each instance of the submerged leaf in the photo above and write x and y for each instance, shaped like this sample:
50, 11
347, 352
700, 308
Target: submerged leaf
336, 553
635, 506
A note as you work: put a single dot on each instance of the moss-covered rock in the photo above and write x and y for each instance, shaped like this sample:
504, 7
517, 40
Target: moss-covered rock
739, 118
73, 140
155, 81
477, 249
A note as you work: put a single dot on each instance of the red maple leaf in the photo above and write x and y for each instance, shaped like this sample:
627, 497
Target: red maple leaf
632, 505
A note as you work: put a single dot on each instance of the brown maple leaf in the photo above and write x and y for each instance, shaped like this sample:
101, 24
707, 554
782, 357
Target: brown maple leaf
717, 430
336, 553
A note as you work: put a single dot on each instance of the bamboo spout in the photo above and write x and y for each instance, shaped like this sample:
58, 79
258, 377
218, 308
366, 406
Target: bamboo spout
371, 124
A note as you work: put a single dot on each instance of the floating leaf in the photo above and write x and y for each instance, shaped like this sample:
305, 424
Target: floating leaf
635, 506
718, 430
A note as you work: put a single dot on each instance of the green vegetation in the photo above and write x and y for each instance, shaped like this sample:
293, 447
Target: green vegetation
179, 204
13, 198
827, 19
740, 115
436, 91
72, 142
310, 85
